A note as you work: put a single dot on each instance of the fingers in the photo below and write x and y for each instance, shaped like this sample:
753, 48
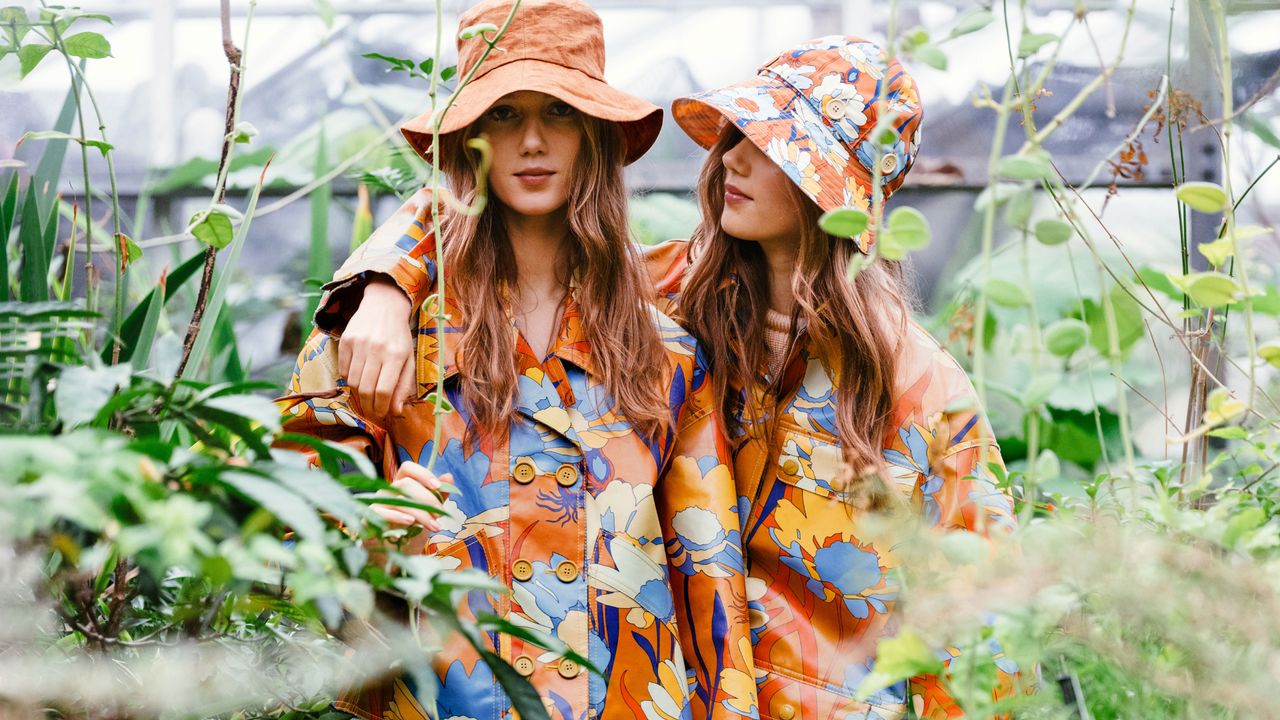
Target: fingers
368, 382
392, 515
417, 493
385, 386
406, 387
344, 356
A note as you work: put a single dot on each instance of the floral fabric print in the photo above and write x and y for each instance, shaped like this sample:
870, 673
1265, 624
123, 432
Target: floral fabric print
628, 550
820, 597
810, 110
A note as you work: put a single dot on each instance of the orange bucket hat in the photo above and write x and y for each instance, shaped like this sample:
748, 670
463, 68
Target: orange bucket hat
551, 46
812, 110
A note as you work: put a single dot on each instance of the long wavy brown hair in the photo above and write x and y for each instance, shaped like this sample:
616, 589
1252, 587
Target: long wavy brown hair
855, 323
612, 289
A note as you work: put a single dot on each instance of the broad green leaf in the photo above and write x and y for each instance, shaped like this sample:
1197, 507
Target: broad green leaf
1242, 523
1008, 294
899, 657
82, 391
1064, 337
1017, 213
973, 22
1232, 432
1222, 408
288, 507
426, 66
320, 255
1030, 43
212, 228
257, 408
447, 74
1218, 251
997, 194
1048, 466
1031, 166
844, 222
907, 230
49, 170
1053, 232
324, 8
445, 405
29, 56
1209, 289
930, 55
1262, 129
87, 45
8, 209
478, 29
1205, 197
1270, 352
1038, 389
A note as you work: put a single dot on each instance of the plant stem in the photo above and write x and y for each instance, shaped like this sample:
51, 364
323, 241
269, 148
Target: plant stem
235, 58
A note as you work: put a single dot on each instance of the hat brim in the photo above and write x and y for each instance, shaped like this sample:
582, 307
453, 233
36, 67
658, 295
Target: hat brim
639, 119
783, 135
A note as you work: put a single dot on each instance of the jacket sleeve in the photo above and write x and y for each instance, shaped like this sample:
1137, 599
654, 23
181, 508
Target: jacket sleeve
961, 494
402, 249
319, 404
697, 504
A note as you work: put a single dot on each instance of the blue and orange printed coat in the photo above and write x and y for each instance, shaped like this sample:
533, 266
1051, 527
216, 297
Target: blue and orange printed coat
626, 549
821, 597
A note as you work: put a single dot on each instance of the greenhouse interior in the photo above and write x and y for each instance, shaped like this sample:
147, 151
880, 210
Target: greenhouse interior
1087, 231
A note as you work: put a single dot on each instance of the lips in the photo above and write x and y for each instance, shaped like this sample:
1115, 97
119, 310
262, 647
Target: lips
734, 194
535, 172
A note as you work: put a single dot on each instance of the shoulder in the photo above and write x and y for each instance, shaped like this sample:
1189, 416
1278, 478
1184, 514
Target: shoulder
666, 264
930, 378
684, 355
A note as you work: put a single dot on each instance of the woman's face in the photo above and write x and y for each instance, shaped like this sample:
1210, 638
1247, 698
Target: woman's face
535, 139
758, 205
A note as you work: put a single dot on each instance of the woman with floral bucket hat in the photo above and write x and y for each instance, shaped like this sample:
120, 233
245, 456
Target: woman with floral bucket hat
838, 403
589, 465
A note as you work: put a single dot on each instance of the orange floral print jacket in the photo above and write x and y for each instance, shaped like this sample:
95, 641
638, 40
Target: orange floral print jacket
627, 549
820, 597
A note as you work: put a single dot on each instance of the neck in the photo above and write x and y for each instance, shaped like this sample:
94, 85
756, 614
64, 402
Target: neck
538, 245
780, 257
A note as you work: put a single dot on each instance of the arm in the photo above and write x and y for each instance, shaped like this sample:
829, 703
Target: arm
697, 503
369, 304
965, 497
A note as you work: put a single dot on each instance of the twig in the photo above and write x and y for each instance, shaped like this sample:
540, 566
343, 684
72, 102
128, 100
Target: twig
234, 59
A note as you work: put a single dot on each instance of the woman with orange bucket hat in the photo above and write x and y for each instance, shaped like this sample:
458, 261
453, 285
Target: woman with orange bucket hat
590, 470
838, 404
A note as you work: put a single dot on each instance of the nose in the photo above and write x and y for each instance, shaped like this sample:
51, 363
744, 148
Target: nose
532, 136
735, 160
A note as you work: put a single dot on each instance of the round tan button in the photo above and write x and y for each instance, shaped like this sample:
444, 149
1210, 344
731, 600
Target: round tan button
524, 665
786, 712
790, 466
838, 484
524, 472
567, 571
889, 163
567, 475
522, 570
568, 668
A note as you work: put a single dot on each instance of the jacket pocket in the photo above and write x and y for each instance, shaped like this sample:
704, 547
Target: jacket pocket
811, 462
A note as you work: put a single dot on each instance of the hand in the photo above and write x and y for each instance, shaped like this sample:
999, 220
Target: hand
375, 354
419, 485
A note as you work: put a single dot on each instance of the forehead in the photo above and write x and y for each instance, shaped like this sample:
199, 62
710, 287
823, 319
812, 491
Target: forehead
526, 98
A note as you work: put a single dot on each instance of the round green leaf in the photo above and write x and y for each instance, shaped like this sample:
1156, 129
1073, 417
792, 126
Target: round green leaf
907, 230
88, 45
1018, 212
1270, 351
1064, 337
930, 55
1205, 197
29, 56
973, 22
213, 229
1006, 293
844, 222
1211, 289
1032, 166
1032, 42
478, 29
1053, 232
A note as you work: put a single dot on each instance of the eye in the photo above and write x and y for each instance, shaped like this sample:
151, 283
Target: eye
501, 113
560, 109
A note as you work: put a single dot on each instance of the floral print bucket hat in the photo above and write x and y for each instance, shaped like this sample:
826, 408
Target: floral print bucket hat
812, 110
